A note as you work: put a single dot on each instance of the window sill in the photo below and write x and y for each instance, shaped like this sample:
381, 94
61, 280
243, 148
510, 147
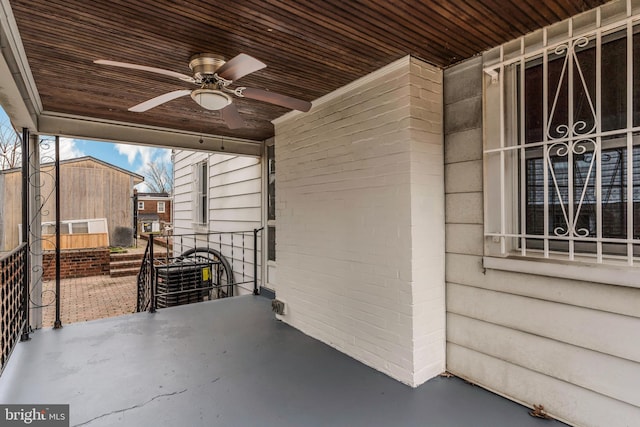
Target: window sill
597, 273
200, 228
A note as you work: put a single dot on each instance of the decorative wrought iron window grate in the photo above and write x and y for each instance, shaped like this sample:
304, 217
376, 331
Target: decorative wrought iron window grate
562, 146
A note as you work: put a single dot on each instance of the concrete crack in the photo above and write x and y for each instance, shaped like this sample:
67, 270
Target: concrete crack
140, 405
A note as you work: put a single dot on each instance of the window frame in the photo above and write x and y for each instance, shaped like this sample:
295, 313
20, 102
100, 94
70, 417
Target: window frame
271, 208
200, 193
140, 205
164, 209
504, 153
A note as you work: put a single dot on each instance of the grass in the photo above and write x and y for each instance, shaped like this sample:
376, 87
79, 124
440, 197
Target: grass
117, 250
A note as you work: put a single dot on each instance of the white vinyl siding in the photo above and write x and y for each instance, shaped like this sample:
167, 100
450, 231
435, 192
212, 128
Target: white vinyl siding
565, 344
233, 187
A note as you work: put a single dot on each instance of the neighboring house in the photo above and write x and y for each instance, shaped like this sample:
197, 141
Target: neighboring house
151, 212
484, 219
90, 190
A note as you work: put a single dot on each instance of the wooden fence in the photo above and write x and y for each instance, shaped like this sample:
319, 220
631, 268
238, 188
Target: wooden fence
76, 241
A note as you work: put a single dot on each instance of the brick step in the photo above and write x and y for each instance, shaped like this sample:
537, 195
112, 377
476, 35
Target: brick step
124, 272
125, 257
116, 265
125, 264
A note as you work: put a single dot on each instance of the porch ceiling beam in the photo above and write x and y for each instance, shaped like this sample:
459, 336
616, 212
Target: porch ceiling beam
18, 95
104, 130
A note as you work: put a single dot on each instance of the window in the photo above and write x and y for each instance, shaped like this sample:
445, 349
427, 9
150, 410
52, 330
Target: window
76, 226
562, 146
140, 206
271, 243
200, 193
271, 185
79, 227
271, 203
161, 207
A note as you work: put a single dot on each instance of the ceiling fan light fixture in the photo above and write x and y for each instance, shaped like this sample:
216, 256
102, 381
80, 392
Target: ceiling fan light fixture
211, 99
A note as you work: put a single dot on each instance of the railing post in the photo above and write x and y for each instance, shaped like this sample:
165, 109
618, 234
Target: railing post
138, 299
152, 282
26, 203
255, 261
57, 324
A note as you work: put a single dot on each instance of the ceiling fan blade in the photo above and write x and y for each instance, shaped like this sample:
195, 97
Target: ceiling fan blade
239, 66
277, 99
145, 68
158, 100
231, 117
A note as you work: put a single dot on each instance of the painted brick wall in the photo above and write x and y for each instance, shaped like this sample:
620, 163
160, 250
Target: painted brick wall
76, 263
427, 221
360, 208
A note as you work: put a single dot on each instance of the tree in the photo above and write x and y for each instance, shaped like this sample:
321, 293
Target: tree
10, 144
159, 177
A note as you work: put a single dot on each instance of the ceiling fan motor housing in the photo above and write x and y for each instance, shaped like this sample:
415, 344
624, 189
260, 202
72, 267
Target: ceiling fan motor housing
203, 64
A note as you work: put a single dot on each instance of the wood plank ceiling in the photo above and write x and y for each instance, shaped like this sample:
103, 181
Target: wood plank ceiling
311, 47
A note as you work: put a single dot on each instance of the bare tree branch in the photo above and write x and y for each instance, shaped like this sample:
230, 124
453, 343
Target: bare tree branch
159, 177
10, 154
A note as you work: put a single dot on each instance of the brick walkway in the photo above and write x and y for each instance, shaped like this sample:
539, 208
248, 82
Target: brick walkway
89, 298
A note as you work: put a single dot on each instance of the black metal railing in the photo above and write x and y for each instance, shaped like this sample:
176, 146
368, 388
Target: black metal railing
12, 269
144, 296
196, 267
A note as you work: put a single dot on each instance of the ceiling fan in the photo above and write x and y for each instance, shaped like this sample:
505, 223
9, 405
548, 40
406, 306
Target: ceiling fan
214, 77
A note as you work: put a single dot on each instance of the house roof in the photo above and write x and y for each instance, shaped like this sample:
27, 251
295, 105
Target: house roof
147, 195
148, 217
154, 198
137, 177
102, 162
311, 47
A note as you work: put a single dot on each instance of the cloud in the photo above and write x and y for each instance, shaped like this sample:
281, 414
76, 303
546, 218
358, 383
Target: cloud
68, 149
133, 151
143, 187
146, 154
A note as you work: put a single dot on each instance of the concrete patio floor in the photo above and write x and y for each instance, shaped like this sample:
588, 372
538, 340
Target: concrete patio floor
229, 363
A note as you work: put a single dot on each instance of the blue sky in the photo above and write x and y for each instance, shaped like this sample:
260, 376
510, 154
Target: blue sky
131, 157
